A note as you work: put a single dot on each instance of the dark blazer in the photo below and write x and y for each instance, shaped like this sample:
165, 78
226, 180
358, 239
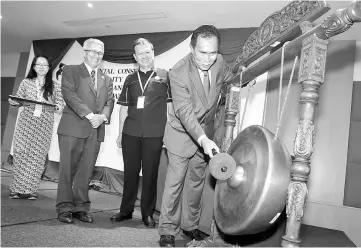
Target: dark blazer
193, 114
81, 100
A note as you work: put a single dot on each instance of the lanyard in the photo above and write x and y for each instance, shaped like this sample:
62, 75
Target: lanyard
146, 84
39, 90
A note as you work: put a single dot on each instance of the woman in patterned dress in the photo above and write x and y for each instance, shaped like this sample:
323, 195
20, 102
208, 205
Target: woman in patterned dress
34, 128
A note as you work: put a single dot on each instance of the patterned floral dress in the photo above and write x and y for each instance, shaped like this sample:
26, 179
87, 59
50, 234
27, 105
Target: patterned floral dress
32, 137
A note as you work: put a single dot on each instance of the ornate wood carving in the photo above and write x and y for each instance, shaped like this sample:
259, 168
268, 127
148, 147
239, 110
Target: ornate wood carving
232, 100
313, 46
311, 77
296, 196
313, 59
296, 199
280, 26
342, 19
304, 139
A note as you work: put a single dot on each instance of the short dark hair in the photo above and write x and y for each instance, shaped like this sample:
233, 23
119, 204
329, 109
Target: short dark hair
205, 31
142, 41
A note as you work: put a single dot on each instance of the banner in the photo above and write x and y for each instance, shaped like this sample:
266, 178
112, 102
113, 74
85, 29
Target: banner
110, 155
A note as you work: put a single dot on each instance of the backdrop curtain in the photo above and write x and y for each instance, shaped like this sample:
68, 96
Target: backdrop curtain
119, 49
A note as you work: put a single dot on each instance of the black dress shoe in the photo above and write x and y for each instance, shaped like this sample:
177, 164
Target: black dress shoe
195, 234
120, 217
83, 216
166, 241
66, 217
149, 221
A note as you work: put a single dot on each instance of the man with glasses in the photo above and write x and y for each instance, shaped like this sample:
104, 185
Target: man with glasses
88, 94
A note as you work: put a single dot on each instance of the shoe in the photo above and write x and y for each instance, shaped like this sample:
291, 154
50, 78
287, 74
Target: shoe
121, 216
66, 217
83, 216
149, 221
46, 178
32, 196
14, 195
166, 241
195, 234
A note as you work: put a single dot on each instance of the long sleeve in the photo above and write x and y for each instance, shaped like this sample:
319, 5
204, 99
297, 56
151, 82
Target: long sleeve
183, 106
70, 95
20, 93
109, 104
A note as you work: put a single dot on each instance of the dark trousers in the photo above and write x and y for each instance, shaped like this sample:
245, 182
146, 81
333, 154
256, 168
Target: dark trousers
140, 153
76, 165
182, 196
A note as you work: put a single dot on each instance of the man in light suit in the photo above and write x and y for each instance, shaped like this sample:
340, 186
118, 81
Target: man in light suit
196, 82
88, 94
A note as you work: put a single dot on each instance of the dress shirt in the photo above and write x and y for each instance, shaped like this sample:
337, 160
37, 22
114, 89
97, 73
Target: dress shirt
91, 115
201, 74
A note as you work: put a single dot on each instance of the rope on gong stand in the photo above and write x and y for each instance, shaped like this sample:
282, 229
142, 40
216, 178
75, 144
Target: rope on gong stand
251, 85
280, 110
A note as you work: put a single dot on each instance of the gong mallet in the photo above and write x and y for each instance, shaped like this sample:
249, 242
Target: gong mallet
222, 166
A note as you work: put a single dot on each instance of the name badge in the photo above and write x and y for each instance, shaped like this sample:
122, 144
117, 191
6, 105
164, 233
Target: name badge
38, 109
140, 102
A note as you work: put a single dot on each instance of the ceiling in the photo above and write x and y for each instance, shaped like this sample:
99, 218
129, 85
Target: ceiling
24, 21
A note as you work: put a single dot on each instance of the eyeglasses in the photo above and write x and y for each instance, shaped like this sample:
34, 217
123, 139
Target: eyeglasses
41, 65
93, 52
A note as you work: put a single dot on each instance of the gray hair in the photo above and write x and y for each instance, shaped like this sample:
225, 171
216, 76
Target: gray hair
142, 41
91, 41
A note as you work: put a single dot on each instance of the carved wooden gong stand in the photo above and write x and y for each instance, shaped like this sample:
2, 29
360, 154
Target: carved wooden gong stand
294, 24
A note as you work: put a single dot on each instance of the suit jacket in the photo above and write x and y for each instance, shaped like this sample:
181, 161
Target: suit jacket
192, 114
81, 99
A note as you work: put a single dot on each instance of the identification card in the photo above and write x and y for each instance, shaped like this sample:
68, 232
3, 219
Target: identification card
38, 109
140, 103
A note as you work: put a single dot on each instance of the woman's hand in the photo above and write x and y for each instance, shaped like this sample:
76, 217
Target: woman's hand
14, 103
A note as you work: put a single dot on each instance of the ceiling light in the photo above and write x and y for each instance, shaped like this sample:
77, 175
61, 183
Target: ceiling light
90, 5
118, 18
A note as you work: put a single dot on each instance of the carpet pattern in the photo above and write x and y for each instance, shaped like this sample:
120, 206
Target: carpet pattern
102, 233
26, 223
15, 211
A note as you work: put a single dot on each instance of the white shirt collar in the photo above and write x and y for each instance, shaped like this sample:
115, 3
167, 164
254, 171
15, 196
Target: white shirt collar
90, 69
201, 74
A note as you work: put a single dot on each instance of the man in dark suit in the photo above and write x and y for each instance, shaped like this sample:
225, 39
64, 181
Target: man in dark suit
88, 94
195, 85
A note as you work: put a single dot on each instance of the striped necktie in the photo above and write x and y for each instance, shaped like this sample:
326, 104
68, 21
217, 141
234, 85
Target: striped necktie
206, 83
92, 75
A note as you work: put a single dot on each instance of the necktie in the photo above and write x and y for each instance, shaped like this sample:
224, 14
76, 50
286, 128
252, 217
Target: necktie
92, 75
206, 83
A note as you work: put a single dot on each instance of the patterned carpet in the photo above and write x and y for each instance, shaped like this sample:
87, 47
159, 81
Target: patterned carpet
102, 233
26, 223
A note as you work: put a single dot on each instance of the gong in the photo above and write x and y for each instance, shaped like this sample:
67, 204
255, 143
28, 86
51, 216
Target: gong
252, 199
